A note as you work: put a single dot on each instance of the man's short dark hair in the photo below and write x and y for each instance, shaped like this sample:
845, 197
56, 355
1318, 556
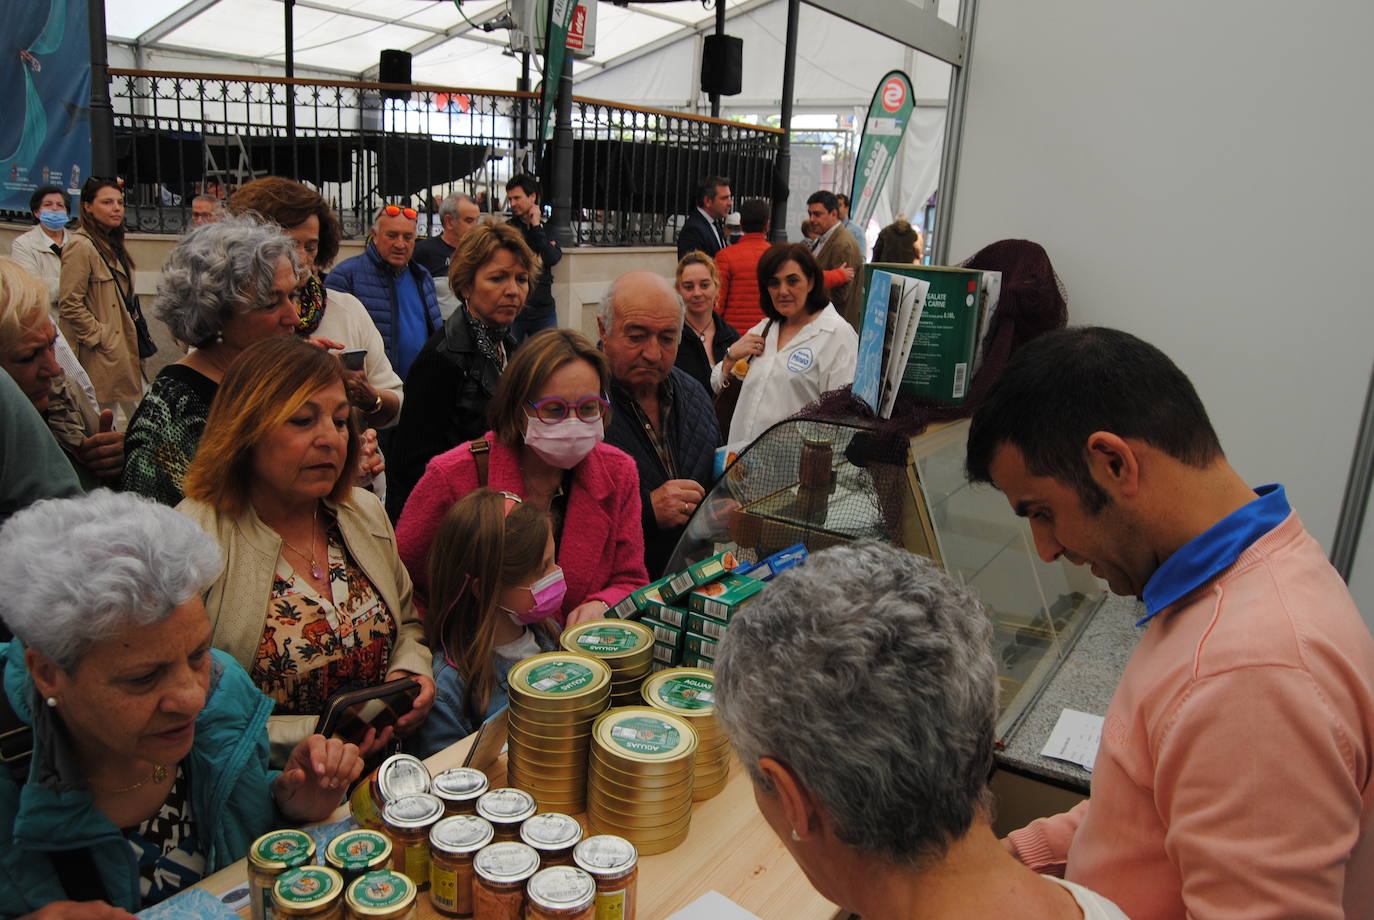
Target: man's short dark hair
707, 187
824, 199
43, 191
841, 199
753, 215
529, 184
773, 259
1064, 385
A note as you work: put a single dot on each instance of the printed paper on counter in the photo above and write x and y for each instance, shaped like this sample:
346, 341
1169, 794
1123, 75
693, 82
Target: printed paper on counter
713, 906
1075, 738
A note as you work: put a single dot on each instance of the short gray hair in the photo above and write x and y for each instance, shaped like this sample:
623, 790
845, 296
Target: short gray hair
449, 207
212, 272
77, 570
605, 308
870, 674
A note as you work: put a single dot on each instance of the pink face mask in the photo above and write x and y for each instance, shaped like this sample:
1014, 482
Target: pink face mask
563, 444
548, 593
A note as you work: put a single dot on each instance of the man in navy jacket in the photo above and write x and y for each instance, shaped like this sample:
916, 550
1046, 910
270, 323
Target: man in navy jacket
705, 226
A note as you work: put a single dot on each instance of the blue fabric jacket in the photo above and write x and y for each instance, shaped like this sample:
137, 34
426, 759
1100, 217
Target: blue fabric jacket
231, 795
371, 279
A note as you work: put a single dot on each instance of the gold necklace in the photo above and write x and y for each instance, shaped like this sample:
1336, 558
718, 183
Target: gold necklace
701, 335
158, 775
315, 571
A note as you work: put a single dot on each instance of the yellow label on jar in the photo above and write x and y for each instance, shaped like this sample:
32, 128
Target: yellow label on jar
364, 809
417, 863
613, 905
443, 887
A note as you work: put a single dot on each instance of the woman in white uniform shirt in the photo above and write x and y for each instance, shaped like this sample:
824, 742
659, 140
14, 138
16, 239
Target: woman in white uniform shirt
803, 349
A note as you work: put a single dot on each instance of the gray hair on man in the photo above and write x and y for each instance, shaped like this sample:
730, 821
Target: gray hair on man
214, 270
605, 308
869, 673
76, 570
449, 206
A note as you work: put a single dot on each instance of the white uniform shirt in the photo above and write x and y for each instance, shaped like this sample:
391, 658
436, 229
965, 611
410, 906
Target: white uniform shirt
347, 322
820, 357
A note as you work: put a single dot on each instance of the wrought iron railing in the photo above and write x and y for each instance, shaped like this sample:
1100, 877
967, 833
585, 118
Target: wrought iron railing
367, 144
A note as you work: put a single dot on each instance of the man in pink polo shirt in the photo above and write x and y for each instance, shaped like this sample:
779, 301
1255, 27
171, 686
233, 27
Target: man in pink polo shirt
1236, 772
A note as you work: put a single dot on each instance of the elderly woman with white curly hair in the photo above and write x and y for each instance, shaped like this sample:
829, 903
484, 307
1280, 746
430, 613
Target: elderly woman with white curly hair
136, 754
860, 693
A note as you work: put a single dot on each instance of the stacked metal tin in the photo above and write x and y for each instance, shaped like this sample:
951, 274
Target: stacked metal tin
639, 782
690, 694
625, 646
554, 700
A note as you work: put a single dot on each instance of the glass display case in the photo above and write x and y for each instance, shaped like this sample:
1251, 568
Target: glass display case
826, 483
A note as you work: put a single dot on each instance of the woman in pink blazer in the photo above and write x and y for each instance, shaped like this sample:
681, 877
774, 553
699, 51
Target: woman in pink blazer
548, 418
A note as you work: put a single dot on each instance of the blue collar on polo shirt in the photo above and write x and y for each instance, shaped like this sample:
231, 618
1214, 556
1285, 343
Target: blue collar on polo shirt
1217, 548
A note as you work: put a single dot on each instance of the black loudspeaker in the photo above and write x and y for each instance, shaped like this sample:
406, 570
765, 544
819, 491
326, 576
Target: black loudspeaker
394, 67
722, 64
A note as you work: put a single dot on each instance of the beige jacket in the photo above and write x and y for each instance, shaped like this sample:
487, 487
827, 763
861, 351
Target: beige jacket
237, 600
839, 249
96, 322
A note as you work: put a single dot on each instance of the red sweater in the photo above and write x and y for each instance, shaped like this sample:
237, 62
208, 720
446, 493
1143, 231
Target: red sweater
602, 550
738, 303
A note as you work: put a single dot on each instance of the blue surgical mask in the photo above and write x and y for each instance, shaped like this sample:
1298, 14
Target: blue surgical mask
53, 220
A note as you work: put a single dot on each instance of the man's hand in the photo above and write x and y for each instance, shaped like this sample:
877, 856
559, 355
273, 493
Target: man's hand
103, 452
848, 271
78, 910
533, 215
422, 705
675, 500
312, 783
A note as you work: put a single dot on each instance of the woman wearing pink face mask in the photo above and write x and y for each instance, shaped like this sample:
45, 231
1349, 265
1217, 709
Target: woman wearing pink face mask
548, 421
494, 588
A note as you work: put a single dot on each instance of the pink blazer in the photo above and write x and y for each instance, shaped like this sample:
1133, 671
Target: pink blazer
602, 550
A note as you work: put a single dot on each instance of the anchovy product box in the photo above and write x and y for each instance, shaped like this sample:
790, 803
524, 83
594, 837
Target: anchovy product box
781, 561
698, 661
699, 573
704, 625
697, 644
637, 600
663, 633
665, 613
722, 597
665, 655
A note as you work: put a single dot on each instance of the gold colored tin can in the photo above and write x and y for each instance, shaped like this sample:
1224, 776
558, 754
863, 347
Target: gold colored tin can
622, 644
597, 764
308, 893
557, 681
382, 895
269, 857
628, 814
643, 741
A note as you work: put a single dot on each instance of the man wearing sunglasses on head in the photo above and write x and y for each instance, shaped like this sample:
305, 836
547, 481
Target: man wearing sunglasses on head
398, 293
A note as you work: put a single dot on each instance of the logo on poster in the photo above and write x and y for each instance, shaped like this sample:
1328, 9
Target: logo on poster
894, 94
577, 31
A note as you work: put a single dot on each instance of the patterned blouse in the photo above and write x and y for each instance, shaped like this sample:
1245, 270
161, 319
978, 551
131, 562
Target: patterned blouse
314, 647
164, 433
170, 856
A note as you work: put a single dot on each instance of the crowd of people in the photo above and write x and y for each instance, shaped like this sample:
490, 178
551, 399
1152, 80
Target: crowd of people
403, 468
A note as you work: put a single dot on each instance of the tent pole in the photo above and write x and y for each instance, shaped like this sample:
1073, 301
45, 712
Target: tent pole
523, 125
290, 8
102, 112
563, 158
782, 169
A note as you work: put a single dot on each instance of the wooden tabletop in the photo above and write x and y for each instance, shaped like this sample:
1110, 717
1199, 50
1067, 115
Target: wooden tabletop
729, 849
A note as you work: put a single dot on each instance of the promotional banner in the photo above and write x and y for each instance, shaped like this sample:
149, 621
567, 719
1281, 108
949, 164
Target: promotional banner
45, 94
884, 128
555, 50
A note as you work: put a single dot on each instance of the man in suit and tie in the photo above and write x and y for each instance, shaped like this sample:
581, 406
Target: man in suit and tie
705, 226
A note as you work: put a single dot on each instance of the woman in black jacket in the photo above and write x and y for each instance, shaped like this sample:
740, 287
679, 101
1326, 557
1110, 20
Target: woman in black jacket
705, 336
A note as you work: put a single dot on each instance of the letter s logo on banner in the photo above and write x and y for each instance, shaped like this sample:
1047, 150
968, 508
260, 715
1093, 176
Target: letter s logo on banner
800, 360
894, 94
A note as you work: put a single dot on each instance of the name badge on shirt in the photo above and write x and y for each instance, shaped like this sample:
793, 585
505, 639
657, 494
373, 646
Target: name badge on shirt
800, 360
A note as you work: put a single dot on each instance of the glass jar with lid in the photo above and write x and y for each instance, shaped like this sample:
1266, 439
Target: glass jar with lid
561, 893
506, 809
613, 863
398, 775
553, 836
459, 789
308, 893
357, 852
382, 895
270, 856
453, 842
501, 870
408, 820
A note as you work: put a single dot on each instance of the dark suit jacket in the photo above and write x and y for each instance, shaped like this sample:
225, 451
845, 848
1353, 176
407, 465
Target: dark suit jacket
697, 233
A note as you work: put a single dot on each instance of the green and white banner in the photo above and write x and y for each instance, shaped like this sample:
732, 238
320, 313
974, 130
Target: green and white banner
884, 129
555, 50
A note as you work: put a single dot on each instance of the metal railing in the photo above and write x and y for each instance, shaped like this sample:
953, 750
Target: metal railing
362, 145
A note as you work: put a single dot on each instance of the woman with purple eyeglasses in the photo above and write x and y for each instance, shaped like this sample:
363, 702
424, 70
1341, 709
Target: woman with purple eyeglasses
546, 446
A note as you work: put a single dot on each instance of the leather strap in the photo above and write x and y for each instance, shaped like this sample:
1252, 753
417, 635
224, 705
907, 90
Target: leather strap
481, 455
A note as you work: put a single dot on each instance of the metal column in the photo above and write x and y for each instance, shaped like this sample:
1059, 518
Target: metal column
102, 111
782, 171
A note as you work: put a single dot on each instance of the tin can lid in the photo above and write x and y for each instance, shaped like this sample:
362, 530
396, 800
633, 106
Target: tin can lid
419, 809
641, 734
551, 831
383, 893
563, 676
401, 774
562, 888
690, 691
606, 856
505, 863
461, 834
608, 638
360, 849
282, 850
459, 784
506, 806
306, 888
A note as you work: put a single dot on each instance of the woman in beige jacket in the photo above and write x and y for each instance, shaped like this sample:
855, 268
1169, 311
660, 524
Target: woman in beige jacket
94, 295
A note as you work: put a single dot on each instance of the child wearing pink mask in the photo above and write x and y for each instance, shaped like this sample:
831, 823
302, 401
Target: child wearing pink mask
494, 590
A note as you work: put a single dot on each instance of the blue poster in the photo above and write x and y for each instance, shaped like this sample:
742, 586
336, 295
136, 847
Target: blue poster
45, 95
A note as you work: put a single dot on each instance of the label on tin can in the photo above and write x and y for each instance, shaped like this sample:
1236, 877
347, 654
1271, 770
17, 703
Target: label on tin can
363, 808
645, 735
605, 640
687, 693
560, 676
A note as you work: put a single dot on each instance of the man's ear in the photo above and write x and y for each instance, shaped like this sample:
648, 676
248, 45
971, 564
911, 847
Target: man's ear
1113, 464
601, 328
799, 806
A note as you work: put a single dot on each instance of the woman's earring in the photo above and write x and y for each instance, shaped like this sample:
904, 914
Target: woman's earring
795, 835
52, 703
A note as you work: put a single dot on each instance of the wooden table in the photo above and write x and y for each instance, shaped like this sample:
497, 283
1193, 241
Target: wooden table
729, 849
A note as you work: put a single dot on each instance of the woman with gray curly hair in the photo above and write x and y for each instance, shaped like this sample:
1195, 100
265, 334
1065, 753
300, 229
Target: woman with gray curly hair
860, 692
136, 754
224, 287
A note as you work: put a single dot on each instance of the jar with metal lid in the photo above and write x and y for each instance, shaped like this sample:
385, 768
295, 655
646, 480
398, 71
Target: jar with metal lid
553, 836
382, 895
561, 893
459, 789
308, 893
270, 856
506, 809
817, 455
398, 775
502, 869
355, 853
453, 842
613, 863
408, 822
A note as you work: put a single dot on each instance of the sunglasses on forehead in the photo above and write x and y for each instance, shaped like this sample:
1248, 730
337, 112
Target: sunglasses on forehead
392, 210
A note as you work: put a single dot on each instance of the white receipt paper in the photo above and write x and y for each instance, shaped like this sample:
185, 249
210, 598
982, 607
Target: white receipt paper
713, 906
1075, 738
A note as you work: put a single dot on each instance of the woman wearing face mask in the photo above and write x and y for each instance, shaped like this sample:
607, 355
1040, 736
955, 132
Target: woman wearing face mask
494, 587
548, 420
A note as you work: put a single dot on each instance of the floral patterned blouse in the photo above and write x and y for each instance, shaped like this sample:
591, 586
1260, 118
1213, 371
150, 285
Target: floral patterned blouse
314, 647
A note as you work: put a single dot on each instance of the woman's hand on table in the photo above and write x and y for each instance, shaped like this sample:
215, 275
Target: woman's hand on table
78, 910
422, 705
591, 610
312, 783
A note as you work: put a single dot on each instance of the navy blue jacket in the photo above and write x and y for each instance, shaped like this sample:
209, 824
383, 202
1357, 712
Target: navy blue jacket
697, 233
371, 279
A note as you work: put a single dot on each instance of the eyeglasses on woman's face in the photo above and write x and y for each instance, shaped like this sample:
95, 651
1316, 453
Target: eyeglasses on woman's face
553, 410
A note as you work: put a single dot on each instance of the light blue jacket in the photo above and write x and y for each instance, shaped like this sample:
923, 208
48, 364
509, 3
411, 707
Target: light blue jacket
230, 789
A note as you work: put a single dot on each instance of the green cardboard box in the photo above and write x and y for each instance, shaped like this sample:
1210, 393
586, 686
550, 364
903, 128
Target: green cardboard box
704, 625
699, 573
666, 655
637, 600
697, 644
698, 661
722, 597
665, 613
663, 633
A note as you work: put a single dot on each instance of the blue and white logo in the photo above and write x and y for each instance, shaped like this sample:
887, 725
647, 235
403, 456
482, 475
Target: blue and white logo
800, 360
